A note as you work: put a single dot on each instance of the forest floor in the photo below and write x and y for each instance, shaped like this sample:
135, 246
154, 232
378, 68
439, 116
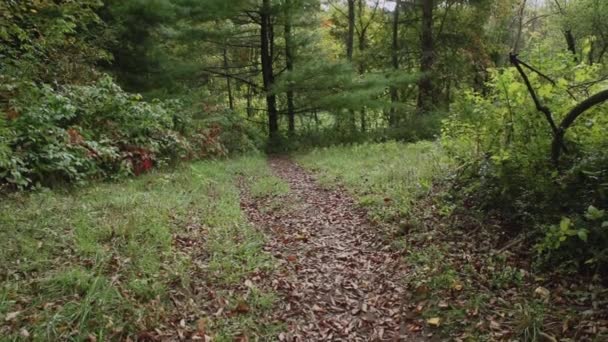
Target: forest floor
338, 279
345, 243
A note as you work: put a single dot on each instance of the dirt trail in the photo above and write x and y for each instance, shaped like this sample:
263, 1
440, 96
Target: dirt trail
337, 280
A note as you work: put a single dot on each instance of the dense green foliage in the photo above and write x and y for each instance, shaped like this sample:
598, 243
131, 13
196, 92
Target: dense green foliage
97, 131
504, 144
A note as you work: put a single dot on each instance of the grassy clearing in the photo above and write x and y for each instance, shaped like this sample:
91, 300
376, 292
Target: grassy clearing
110, 259
385, 178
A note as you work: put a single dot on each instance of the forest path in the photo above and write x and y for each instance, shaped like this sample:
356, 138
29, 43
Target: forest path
338, 281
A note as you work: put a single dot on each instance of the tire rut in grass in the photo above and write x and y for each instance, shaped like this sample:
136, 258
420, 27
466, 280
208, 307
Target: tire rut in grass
337, 280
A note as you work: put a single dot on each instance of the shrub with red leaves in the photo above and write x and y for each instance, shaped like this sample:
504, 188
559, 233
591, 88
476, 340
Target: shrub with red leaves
140, 159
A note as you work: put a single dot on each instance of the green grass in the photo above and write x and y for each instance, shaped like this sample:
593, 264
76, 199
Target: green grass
100, 260
385, 177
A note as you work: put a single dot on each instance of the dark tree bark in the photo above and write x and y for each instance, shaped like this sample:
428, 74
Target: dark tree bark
289, 64
266, 51
228, 79
362, 39
426, 98
350, 38
350, 42
362, 45
570, 41
395, 63
249, 101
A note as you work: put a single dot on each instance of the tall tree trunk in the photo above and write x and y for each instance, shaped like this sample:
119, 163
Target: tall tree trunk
266, 51
249, 101
426, 98
291, 111
362, 46
570, 41
228, 79
350, 43
395, 62
350, 38
520, 27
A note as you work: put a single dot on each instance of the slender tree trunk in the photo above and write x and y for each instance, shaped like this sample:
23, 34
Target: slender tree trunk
520, 27
350, 43
395, 62
289, 61
350, 38
570, 41
362, 72
267, 67
362, 46
249, 98
228, 80
426, 98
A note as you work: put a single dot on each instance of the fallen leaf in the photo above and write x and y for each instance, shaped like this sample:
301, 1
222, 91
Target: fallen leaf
201, 327
457, 286
414, 328
422, 291
242, 307
434, 322
241, 338
542, 293
494, 325
11, 315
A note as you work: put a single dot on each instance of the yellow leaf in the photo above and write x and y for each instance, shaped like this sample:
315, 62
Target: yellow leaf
457, 286
434, 322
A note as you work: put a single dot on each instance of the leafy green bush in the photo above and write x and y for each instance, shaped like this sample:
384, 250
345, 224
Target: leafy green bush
98, 131
577, 241
504, 146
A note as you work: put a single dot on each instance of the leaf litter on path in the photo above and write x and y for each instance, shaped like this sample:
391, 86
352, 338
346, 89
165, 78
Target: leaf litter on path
338, 280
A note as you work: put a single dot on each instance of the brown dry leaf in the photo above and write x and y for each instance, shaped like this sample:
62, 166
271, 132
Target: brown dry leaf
422, 291
201, 327
241, 338
242, 307
414, 328
292, 258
